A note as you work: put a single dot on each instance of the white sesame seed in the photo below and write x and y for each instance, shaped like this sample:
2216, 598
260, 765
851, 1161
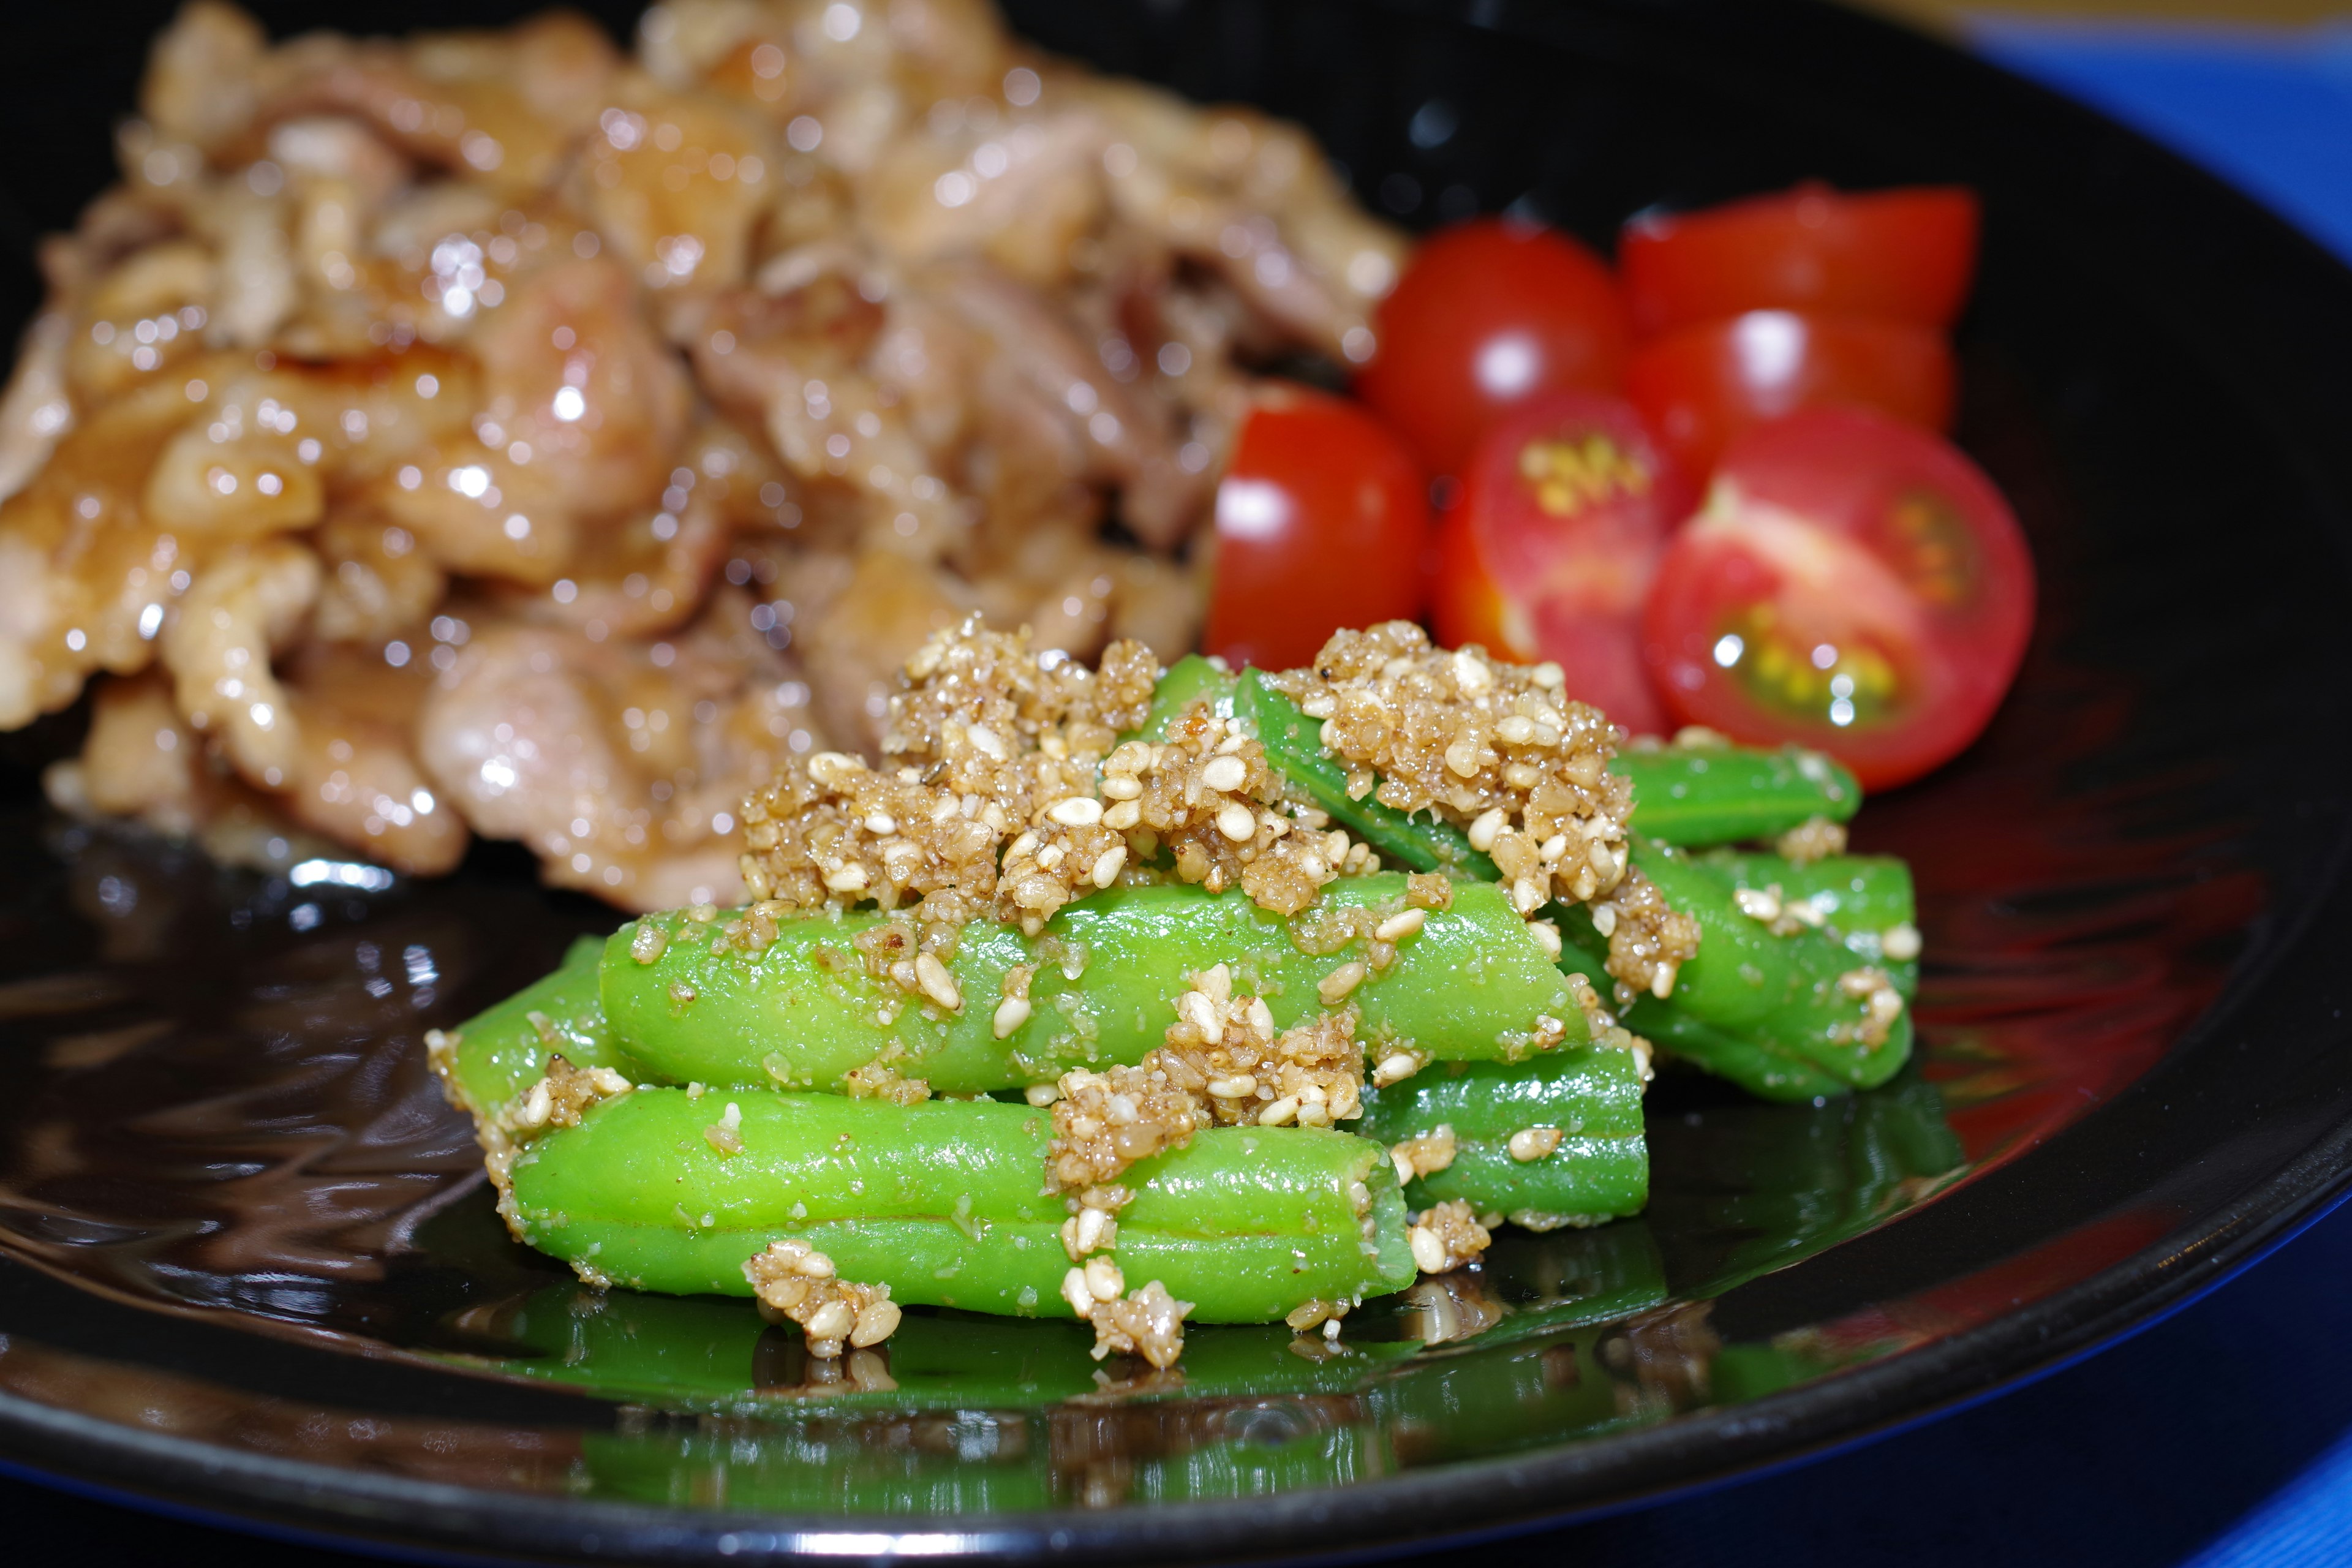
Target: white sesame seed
1548, 676
1901, 942
985, 739
1261, 1016
1226, 772
1428, 1252
1604, 920
881, 824
1401, 925
847, 879
1121, 788
1482, 831
1280, 1111
1075, 1291
937, 983
1202, 1014
1011, 1013
1546, 937
831, 1321
1462, 757
1104, 1281
1334, 987
1123, 816
1395, 1069
1241, 1086
1238, 823
1661, 981
1518, 730
1078, 811
1107, 865
1534, 1143
1758, 903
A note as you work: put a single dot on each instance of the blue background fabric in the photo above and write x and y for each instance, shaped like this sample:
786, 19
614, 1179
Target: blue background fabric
2220, 1437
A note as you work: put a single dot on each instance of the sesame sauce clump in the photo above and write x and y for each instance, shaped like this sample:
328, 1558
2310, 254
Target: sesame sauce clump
1501, 751
795, 1283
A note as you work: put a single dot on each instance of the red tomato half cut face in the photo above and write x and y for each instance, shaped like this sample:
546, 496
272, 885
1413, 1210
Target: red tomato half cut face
1564, 511
1852, 584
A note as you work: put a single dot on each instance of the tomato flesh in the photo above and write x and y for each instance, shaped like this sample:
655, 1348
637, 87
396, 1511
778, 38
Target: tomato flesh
1700, 386
1322, 521
1905, 255
1550, 553
1853, 584
1487, 314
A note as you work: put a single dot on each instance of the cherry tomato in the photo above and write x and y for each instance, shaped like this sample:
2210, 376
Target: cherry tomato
1902, 254
1854, 584
1322, 523
1701, 385
1564, 511
1489, 313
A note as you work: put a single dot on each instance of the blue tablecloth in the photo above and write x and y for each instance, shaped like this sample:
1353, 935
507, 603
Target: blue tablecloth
2219, 1438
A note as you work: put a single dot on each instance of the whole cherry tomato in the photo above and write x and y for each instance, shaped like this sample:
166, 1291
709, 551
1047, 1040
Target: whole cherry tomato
1903, 255
1854, 584
1489, 313
1701, 385
1322, 523
1564, 511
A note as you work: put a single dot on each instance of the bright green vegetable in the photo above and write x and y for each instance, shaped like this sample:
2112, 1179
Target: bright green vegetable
944, 1203
1771, 1013
1858, 898
504, 1050
805, 1011
1293, 748
1592, 1094
1722, 795
1190, 679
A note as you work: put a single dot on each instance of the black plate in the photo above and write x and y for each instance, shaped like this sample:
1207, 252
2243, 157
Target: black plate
244, 1266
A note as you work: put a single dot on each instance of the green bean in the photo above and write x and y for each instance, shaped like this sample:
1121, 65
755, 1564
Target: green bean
1860, 899
1770, 1012
1721, 794
1293, 748
805, 1011
1592, 1094
1190, 679
944, 1203
501, 1052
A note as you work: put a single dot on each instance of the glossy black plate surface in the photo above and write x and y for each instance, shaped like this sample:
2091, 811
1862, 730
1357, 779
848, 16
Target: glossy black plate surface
245, 1262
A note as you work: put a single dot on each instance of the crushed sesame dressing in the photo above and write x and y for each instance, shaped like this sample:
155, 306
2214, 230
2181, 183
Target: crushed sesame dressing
796, 1283
1447, 1237
1812, 839
562, 1095
1149, 1323
1499, 749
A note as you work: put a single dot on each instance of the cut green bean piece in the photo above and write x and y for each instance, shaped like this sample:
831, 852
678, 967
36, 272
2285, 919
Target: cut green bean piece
945, 1202
1471, 983
1590, 1095
1724, 795
1786, 1017
1859, 899
502, 1051
1293, 748
1190, 679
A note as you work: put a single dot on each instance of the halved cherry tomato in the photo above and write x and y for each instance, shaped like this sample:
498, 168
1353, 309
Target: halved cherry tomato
1854, 584
1564, 511
1489, 313
1902, 254
1322, 523
1701, 385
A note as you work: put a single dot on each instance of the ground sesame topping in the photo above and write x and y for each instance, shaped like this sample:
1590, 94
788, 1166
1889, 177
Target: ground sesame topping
649, 942
1447, 1237
559, 1098
1223, 1046
1882, 1006
1649, 939
1811, 840
1424, 1153
1104, 1121
796, 1283
726, 1135
1149, 1323
1487, 745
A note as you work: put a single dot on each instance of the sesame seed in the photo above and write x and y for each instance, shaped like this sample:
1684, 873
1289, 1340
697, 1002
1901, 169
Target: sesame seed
1334, 987
1401, 925
1107, 863
1661, 981
1534, 1143
1225, 773
1118, 787
1546, 937
1901, 942
1078, 811
1011, 1013
1075, 1291
1490, 823
1280, 1111
650, 941
937, 983
1428, 1252
1104, 1281
1123, 816
1238, 823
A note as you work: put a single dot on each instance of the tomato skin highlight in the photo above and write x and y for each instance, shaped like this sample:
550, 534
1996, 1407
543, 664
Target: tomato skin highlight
1322, 521
1549, 551
1702, 386
1489, 313
1852, 584
1902, 254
